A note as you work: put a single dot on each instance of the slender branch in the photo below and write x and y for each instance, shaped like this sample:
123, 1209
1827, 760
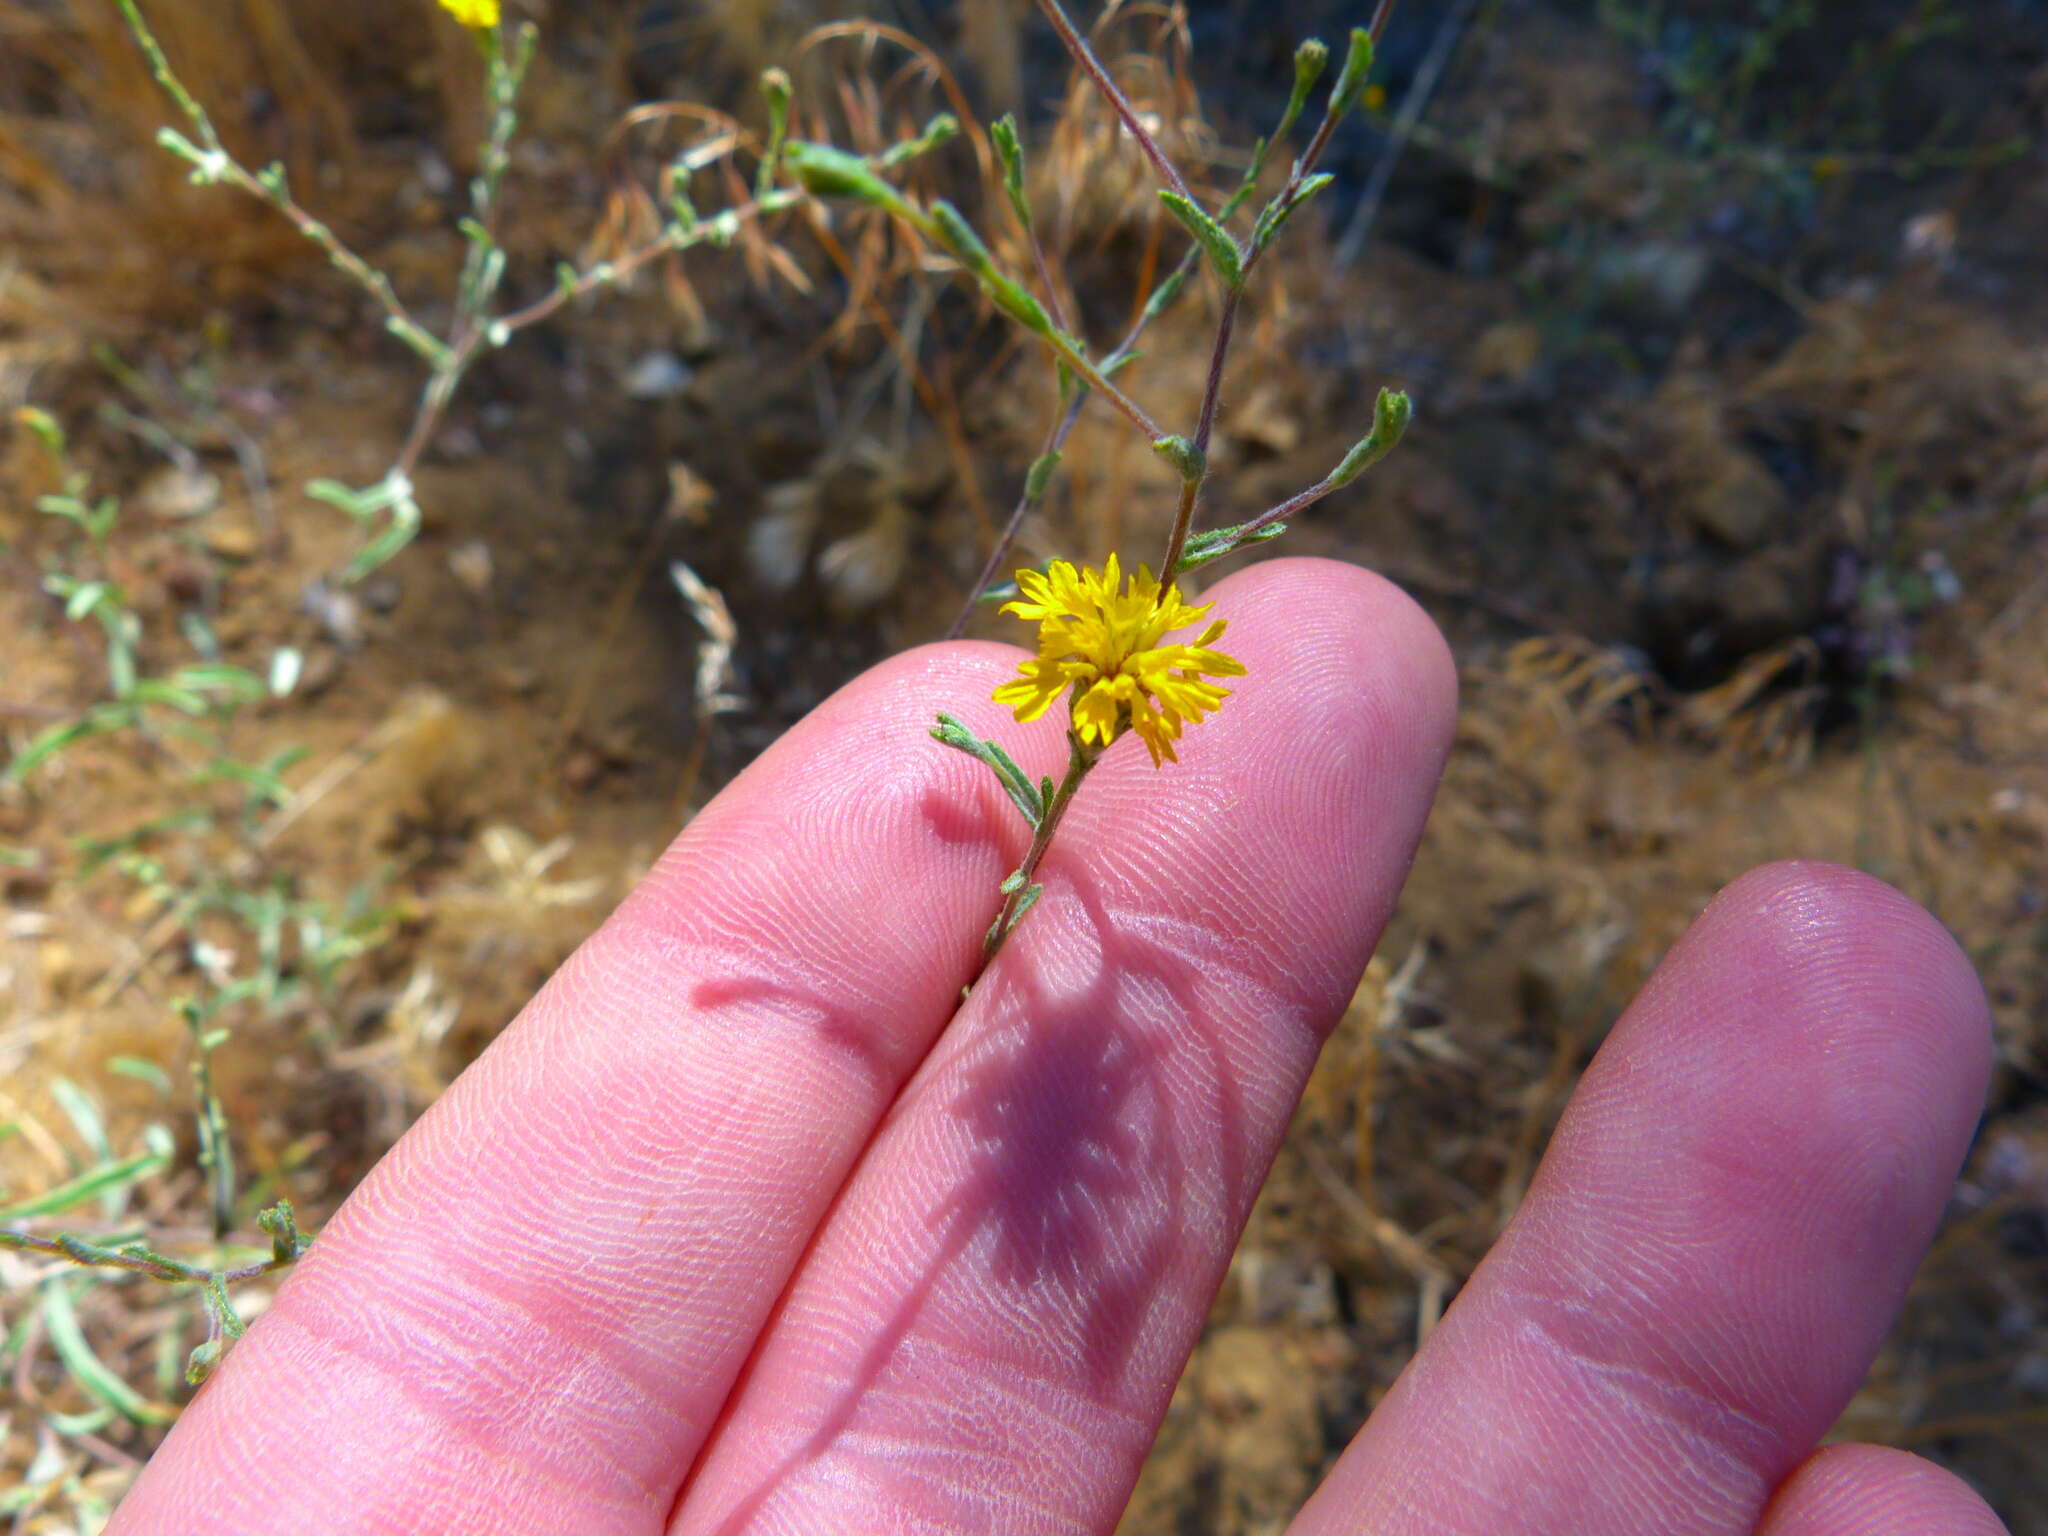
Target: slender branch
1097, 378
1299, 502
1080, 758
1304, 167
1057, 440
156, 1266
1084, 56
441, 385
1191, 489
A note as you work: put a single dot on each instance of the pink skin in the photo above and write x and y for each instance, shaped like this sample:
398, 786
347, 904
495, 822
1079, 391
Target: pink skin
993, 1247
1869, 1490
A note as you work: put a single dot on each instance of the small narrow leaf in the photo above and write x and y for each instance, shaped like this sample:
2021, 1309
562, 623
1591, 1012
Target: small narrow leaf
1164, 295
60, 1325
1389, 420
1351, 79
1214, 239
1016, 784
1010, 150
43, 426
942, 129
1039, 476
1278, 213
1218, 542
824, 171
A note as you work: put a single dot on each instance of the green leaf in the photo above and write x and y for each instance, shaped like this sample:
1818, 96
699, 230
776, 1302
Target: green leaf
1000, 930
1214, 239
1163, 296
84, 1116
84, 598
358, 504
1010, 150
960, 240
1278, 213
824, 171
46, 745
43, 426
165, 691
1016, 783
1039, 476
60, 1325
1218, 542
1390, 415
141, 1070
237, 683
1352, 78
949, 228
942, 129
95, 1181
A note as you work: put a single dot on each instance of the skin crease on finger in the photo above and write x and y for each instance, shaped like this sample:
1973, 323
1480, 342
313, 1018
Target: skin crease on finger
986, 1334
1719, 1235
528, 1314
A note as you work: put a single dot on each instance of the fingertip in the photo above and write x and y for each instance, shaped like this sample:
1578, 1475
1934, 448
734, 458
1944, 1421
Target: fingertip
1287, 828
1872, 1490
1329, 611
1859, 967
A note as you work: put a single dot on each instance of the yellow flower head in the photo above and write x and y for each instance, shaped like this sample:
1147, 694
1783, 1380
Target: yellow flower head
480, 14
1105, 643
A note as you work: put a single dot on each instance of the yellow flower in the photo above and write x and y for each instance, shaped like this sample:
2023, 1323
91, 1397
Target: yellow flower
480, 14
1105, 644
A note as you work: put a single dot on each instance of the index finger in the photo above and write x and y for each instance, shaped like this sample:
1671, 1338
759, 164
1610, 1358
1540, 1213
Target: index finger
530, 1311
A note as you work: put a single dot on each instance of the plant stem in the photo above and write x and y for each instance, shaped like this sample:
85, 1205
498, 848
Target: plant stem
1205, 427
1084, 56
1080, 758
1304, 167
1054, 442
156, 1266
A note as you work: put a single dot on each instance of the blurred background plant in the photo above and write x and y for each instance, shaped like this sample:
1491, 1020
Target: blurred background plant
1728, 327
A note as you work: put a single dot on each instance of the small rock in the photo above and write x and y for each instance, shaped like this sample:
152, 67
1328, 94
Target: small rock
338, 613
320, 673
232, 540
1653, 278
177, 492
381, 594
470, 562
658, 376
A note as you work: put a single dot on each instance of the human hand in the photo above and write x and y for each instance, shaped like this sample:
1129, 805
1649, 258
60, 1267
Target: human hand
747, 1224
